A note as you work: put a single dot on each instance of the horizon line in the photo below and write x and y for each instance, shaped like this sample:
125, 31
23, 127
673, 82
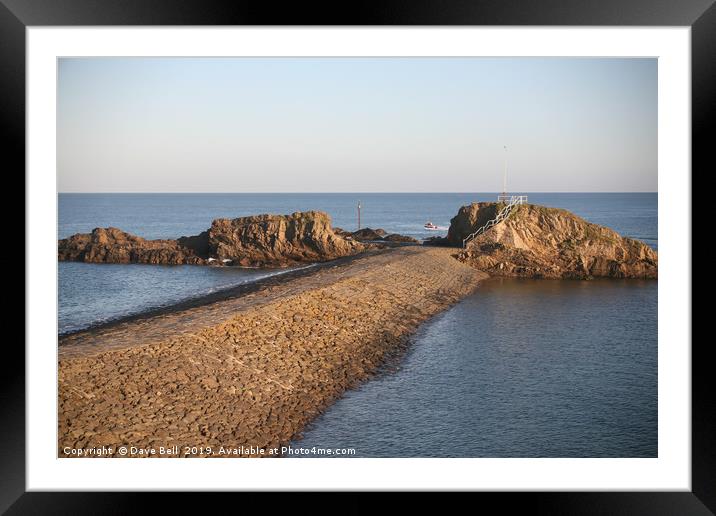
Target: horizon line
366, 192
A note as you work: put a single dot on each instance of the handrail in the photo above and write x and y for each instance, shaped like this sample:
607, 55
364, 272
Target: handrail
514, 200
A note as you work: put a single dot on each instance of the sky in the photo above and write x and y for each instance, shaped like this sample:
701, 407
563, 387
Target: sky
356, 124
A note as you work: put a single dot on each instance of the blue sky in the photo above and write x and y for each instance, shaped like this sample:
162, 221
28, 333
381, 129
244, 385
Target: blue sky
356, 124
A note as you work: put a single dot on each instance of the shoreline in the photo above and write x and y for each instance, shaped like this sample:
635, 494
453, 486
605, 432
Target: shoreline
253, 364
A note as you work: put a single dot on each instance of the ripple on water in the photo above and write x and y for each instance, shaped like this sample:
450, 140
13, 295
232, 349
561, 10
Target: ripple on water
522, 368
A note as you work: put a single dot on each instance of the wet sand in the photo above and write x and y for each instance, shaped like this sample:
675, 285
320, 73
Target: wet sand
247, 369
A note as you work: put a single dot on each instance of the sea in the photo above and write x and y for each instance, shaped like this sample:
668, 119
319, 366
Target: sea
521, 368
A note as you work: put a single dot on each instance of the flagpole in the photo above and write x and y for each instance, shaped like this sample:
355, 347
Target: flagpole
504, 177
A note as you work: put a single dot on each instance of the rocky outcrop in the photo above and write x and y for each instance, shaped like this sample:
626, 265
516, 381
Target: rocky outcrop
342, 233
374, 235
278, 240
469, 218
368, 234
399, 238
257, 241
112, 245
540, 242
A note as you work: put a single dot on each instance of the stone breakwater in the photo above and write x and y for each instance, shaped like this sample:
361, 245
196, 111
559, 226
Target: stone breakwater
249, 372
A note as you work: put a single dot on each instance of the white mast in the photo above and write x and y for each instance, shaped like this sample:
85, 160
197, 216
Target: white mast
504, 176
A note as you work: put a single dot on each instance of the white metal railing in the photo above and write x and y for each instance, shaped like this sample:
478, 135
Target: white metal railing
521, 199
512, 201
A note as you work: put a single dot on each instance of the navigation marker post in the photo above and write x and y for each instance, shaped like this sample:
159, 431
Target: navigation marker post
504, 176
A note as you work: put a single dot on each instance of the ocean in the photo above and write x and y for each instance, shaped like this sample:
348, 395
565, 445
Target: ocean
521, 368
91, 294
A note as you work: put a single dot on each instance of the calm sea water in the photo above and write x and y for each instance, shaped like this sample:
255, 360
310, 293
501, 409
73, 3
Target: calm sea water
522, 368
90, 294
175, 215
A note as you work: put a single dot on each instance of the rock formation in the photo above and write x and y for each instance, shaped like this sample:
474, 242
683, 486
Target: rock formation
278, 240
342, 233
258, 241
540, 242
369, 234
394, 237
111, 245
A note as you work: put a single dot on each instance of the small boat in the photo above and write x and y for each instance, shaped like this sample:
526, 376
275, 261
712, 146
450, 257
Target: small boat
431, 226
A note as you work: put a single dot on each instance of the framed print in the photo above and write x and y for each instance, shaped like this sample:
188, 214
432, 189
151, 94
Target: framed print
414, 249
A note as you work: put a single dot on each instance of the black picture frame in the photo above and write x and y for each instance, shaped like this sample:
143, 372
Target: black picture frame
700, 15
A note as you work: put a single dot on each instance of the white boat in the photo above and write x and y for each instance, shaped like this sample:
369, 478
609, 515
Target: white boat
429, 225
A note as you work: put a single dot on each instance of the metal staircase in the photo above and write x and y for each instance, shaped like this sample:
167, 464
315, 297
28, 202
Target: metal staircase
512, 201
